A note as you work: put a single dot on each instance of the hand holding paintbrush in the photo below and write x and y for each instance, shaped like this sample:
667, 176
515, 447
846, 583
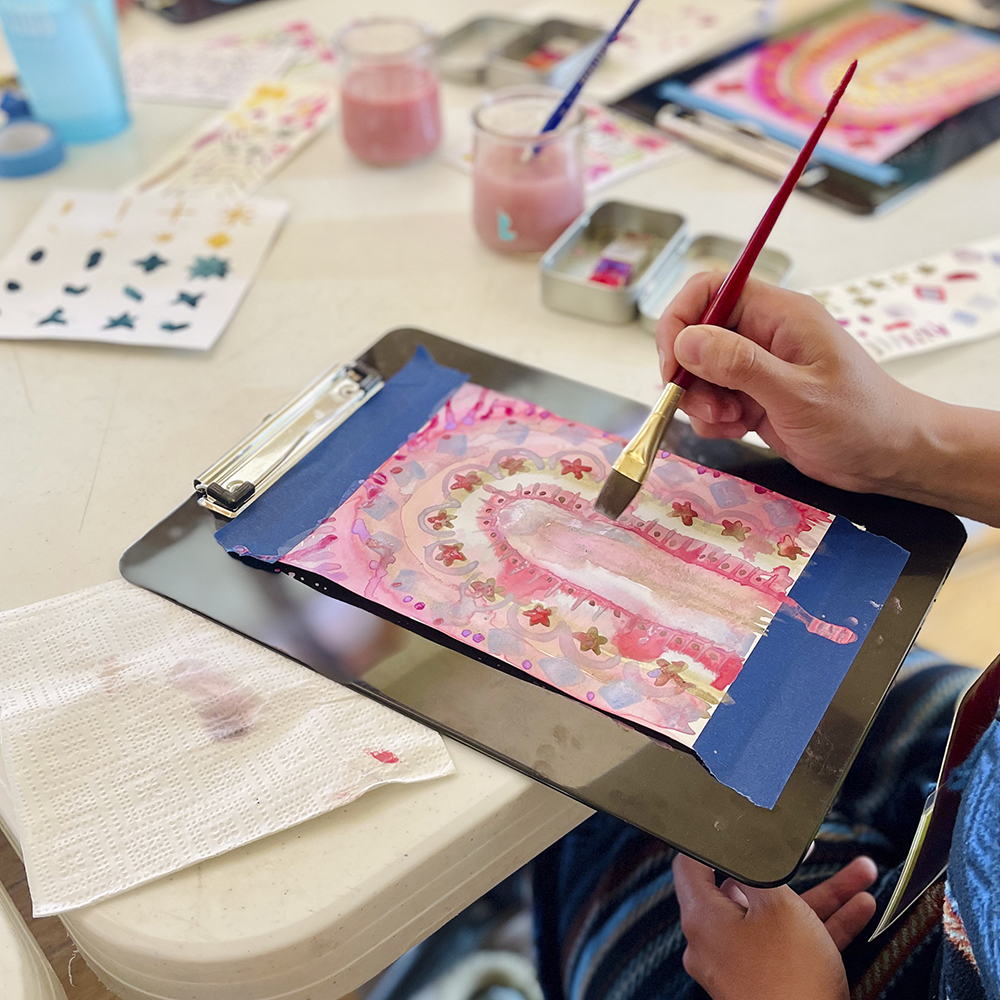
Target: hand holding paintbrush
633, 465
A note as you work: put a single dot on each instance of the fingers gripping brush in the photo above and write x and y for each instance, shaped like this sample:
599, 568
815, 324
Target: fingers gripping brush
634, 463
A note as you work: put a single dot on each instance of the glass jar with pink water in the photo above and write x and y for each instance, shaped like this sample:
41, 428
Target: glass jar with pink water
527, 186
390, 108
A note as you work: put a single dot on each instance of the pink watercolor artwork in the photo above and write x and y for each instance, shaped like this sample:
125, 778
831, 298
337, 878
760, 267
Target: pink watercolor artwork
914, 71
482, 526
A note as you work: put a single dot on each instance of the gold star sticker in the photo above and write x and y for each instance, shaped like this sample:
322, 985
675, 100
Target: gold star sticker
239, 214
108, 234
164, 237
876, 283
926, 268
67, 207
218, 240
267, 92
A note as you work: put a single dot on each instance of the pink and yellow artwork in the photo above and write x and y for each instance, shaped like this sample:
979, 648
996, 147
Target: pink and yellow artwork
482, 526
914, 71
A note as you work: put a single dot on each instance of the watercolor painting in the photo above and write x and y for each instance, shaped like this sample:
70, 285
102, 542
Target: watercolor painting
482, 526
914, 71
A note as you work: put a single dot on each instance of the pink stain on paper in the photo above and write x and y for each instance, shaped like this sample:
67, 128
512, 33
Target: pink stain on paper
383, 756
483, 526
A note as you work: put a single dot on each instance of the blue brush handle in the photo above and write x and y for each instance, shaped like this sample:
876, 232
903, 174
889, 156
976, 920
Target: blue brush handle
574, 92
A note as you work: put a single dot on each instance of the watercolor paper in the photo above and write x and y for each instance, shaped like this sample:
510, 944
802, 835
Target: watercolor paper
235, 153
482, 526
134, 269
950, 298
914, 71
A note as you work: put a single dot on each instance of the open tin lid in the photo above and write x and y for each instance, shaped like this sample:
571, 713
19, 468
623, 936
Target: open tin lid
705, 252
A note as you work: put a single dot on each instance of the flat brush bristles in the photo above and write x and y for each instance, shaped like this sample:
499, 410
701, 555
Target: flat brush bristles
616, 494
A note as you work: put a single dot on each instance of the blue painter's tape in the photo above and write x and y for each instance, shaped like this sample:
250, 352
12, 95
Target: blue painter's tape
790, 678
882, 174
317, 485
28, 147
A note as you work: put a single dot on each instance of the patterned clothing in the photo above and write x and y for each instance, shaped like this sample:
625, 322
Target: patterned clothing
606, 919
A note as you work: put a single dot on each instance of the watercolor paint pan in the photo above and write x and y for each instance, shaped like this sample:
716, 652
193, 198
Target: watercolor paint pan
517, 62
568, 266
464, 53
706, 252
604, 764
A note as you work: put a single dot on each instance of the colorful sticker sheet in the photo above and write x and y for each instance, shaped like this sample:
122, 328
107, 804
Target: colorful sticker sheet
914, 71
211, 73
946, 299
134, 269
219, 71
482, 526
235, 153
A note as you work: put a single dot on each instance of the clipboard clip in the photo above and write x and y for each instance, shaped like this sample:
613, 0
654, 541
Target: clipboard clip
741, 142
233, 483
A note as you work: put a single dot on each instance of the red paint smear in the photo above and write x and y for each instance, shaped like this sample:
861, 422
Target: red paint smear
839, 634
383, 756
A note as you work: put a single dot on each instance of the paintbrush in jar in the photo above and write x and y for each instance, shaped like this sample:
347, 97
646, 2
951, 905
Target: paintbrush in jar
634, 463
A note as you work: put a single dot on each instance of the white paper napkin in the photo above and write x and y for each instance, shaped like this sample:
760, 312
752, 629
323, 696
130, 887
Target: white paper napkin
140, 738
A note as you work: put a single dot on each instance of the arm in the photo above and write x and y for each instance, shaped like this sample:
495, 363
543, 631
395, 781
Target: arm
792, 374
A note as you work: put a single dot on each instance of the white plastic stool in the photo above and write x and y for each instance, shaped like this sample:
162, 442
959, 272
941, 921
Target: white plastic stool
25, 973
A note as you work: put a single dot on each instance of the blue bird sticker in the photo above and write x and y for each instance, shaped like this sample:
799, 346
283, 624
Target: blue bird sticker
504, 230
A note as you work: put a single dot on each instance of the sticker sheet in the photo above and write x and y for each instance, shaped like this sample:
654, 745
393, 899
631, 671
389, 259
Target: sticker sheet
482, 526
235, 153
219, 71
914, 71
949, 298
212, 73
134, 269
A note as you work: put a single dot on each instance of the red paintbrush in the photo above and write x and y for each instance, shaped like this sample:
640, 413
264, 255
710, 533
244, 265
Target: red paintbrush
632, 467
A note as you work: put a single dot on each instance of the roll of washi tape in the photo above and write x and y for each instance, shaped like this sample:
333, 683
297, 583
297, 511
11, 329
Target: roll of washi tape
28, 147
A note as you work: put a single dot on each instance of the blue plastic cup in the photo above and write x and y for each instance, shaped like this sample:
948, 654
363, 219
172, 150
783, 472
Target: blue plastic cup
67, 58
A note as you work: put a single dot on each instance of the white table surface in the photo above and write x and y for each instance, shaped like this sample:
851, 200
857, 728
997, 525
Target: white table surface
98, 442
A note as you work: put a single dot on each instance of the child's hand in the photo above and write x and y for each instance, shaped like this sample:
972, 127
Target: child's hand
771, 944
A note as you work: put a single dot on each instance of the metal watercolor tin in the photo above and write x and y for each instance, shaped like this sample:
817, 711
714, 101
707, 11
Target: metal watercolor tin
567, 265
707, 252
507, 68
463, 54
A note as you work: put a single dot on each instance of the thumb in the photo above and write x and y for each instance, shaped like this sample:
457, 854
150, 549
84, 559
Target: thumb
725, 358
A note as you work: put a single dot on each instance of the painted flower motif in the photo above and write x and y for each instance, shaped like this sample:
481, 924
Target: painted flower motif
539, 615
442, 519
574, 468
467, 483
450, 553
670, 670
788, 549
684, 511
511, 465
590, 640
736, 529
488, 590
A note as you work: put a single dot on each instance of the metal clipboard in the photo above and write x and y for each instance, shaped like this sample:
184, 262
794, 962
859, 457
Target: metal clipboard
553, 739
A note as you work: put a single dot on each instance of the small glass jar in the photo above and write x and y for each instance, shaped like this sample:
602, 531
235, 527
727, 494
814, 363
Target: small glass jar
390, 107
527, 186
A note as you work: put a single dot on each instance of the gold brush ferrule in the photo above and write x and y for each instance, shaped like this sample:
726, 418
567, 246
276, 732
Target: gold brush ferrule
637, 458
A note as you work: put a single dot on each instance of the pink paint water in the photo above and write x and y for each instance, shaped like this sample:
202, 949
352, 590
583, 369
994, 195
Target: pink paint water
521, 205
391, 113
